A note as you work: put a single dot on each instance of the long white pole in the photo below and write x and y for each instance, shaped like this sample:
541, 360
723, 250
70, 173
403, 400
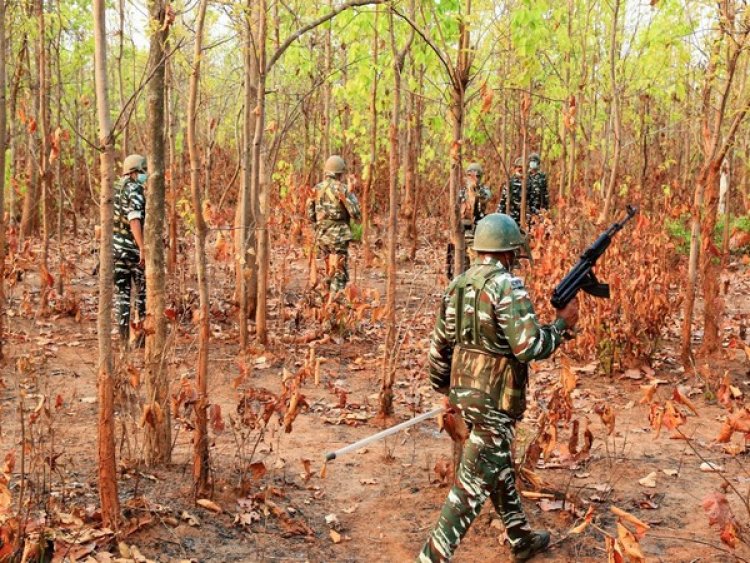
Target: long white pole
375, 437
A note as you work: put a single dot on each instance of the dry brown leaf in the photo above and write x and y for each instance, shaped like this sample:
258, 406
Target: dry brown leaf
585, 522
335, 536
630, 544
607, 414
209, 505
649, 480
648, 393
679, 397
640, 526
719, 512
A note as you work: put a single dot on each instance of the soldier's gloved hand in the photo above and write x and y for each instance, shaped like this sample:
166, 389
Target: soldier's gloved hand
569, 313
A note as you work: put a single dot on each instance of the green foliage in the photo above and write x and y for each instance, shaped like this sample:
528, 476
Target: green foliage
356, 231
679, 230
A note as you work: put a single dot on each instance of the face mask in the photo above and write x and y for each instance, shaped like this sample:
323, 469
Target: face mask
142, 177
533, 165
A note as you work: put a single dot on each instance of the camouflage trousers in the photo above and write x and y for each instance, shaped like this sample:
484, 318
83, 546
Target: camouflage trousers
469, 253
336, 259
129, 274
486, 470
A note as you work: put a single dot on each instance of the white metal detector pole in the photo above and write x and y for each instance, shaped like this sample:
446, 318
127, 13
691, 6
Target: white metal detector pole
375, 437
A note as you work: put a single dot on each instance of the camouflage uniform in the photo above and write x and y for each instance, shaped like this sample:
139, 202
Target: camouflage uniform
484, 336
538, 195
130, 203
515, 185
330, 209
473, 203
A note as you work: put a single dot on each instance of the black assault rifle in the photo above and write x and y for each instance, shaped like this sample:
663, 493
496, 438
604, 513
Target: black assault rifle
582, 277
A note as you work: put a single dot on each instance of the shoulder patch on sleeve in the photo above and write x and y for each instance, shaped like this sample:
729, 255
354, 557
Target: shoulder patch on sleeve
516, 283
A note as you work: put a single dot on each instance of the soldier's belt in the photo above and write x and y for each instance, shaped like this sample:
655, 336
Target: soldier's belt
476, 369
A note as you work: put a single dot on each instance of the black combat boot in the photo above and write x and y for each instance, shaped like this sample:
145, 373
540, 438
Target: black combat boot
536, 542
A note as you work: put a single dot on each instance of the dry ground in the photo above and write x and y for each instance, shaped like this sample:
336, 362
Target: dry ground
386, 497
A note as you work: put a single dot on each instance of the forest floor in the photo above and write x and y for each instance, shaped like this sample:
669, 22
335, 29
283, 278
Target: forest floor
382, 501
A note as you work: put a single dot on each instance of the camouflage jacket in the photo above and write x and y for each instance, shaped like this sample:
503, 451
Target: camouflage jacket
330, 209
515, 185
499, 322
473, 203
130, 203
538, 195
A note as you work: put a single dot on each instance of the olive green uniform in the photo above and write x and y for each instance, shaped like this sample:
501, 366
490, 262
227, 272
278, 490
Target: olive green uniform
485, 335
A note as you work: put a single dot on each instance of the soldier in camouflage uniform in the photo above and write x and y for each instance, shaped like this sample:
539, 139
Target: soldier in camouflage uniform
330, 210
515, 185
538, 195
473, 199
129, 253
485, 335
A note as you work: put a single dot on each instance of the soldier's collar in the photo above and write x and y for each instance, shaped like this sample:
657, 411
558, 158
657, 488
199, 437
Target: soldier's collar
490, 261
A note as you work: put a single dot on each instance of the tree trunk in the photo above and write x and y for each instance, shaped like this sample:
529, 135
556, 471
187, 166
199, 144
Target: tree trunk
616, 119
172, 125
200, 439
44, 172
262, 205
157, 433
246, 272
29, 213
386, 391
3, 138
106, 465
58, 162
370, 171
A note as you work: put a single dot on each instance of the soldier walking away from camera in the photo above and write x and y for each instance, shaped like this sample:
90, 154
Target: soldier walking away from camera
473, 199
330, 209
129, 251
485, 336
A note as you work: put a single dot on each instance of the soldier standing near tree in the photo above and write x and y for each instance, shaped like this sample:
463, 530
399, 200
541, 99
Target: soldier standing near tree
484, 337
514, 187
129, 250
330, 209
473, 199
538, 196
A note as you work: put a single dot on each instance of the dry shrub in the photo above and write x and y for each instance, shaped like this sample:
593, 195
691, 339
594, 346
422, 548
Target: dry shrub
641, 266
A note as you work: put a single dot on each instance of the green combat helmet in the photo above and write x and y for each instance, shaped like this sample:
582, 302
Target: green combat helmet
534, 157
476, 168
498, 232
133, 163
334, 166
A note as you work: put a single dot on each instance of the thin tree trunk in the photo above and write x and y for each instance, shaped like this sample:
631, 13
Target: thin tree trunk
200, 439
157, 434
616, 119
3, 137
58, 162
389, 368
44, 172
262, 204
373, 145
246, 272
106, 465
525, 111
172, 136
